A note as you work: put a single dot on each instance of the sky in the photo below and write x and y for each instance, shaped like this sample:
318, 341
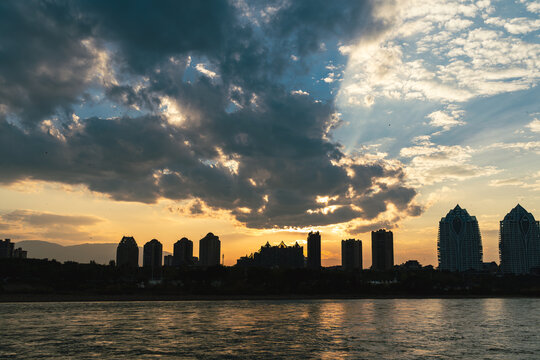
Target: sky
263, 120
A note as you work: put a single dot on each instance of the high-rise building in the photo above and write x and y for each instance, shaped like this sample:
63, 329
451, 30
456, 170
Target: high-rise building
314, 250
519, 243
459, 244
209, 250
351, 254
382, 250
6, 248
280, 256
153, 254
183, 252
127, 252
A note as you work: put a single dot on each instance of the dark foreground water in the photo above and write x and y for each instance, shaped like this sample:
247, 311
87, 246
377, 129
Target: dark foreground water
327, 329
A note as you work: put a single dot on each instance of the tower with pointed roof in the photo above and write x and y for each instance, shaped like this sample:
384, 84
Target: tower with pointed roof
519, 242
459, 244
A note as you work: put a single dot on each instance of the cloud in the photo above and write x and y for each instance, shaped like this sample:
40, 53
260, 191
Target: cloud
44, 219
446, 119
430, 163
506, 182
516, 25
243, 143
44, 65
525, 182
447, 51
534, 126
388, 220
304, 24
196, 208
384, 224
36, 224
203, 70
533, 146
531, 5
369, 100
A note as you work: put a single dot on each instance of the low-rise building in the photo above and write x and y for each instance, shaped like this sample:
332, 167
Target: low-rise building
280, 256
168, 260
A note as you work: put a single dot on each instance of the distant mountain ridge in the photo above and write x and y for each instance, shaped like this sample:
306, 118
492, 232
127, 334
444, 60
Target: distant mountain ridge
84, 253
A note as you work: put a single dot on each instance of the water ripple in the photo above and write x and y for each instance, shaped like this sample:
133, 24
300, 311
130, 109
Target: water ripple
314, 329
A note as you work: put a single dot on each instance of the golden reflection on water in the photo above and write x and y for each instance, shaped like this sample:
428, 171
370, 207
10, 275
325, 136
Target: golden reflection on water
321, 329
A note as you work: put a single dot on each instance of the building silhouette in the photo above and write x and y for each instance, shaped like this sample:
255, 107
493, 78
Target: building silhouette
19, 253
6, 248
411, 265
209, 250
519, 242
314, 250
351, 254
459, 243
183, 252
490, 267
280, 256
127, 252
153, 254
168, 260
382, 250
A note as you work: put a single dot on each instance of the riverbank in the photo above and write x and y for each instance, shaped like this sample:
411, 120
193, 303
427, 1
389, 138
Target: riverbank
35, 298
42, 280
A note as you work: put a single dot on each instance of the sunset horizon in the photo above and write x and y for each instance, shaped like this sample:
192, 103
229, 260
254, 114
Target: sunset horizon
276, 236
268, 120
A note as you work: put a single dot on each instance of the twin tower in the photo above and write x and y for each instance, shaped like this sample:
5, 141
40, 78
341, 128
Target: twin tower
460, 244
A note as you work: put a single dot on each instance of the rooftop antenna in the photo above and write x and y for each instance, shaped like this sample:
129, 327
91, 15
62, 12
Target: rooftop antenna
223, 259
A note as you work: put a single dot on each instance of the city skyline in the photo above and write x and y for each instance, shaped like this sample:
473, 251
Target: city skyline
262, 119
459, 227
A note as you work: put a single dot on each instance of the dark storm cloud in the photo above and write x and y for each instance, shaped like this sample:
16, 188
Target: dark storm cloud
44, 64
111, 156
306, 24
146, 32
266, 161
196, 208
385, 224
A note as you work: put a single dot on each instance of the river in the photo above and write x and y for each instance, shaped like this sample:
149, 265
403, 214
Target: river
277, 329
